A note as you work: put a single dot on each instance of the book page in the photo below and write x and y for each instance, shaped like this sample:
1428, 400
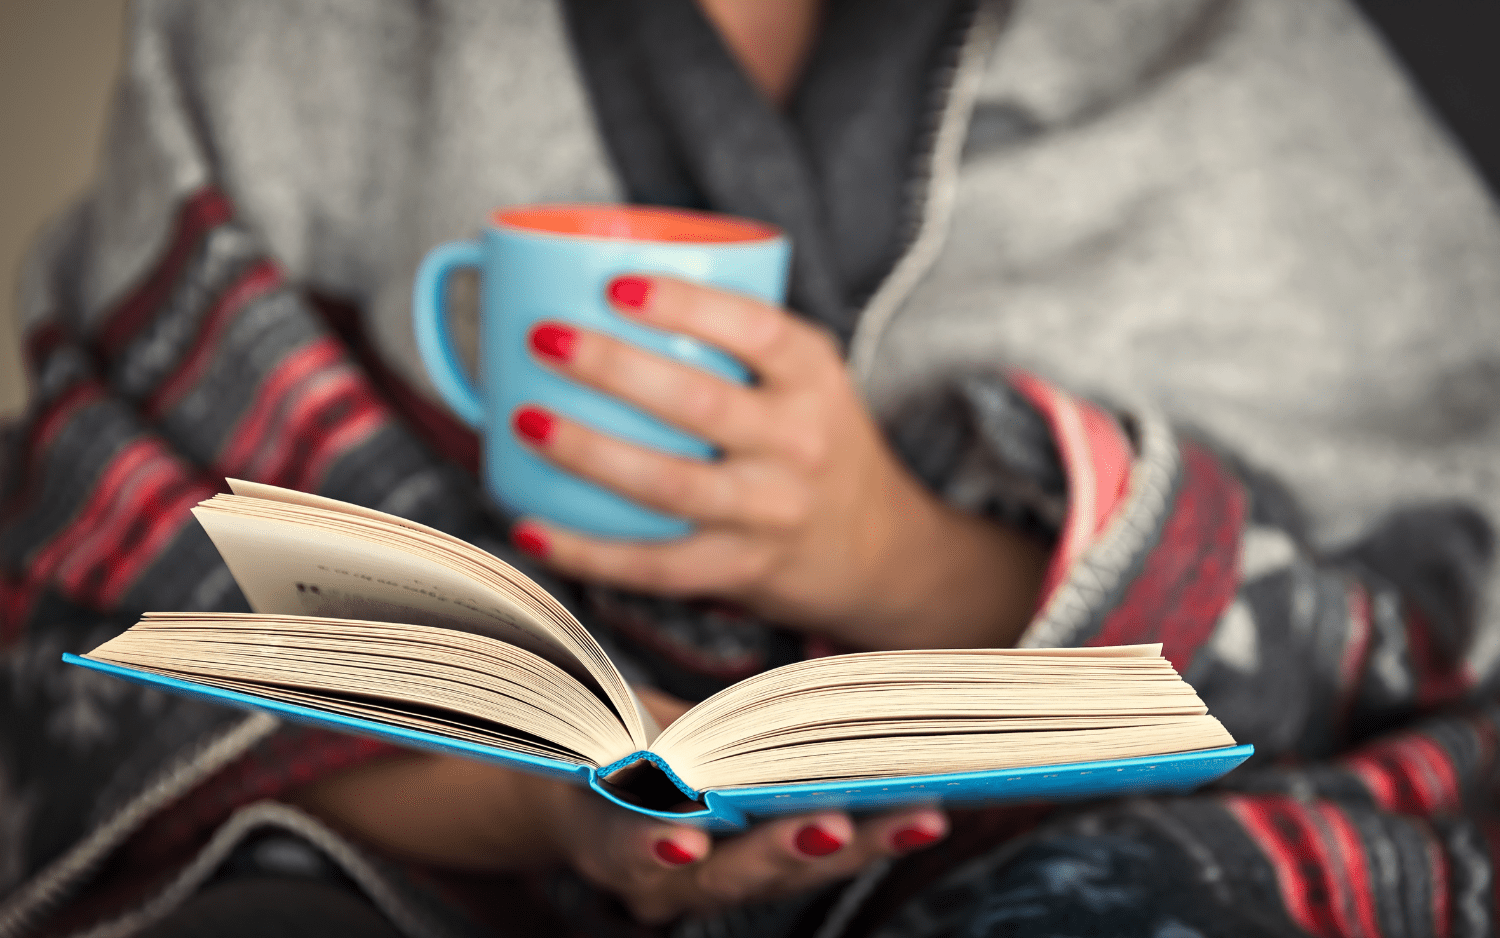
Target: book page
455, 683
272, 493
293, 557
886, 714
275, 493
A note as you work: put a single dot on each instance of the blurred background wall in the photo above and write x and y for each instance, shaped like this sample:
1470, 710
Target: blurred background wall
58, 60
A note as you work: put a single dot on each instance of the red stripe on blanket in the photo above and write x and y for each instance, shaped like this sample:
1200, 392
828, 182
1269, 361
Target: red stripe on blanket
312, 409
1356, 644
17, 595
257, 431
1408, 774
203, 211
1191, 575
50, 422
261, 278
20, 591
359, 414
1282, 831
108, 492
1438, 681
1441, 788
40, 436
1384, 787
1343, 851
436, 426
134, 537
136, 507
1096, 457
1437, 861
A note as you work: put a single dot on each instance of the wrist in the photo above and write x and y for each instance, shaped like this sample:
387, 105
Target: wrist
446, 811
948, 579
555, 807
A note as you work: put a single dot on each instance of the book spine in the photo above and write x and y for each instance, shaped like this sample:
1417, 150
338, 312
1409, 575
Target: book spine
713, 814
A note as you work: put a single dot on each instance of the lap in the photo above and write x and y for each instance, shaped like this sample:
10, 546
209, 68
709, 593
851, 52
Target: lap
286, 907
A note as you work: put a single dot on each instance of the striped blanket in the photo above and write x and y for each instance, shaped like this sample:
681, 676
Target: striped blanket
1364, 812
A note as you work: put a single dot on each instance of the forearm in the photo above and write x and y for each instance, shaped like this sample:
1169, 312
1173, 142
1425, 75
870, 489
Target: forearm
950, 580
446, 811
457, 812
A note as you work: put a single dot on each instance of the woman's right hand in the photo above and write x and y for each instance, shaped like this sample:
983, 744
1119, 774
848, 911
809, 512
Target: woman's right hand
661, 871
463, 814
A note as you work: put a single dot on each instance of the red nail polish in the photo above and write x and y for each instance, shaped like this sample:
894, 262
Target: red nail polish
913, 837
671, 853
816, 842
630, 292
530, 540
535, 425
554, 341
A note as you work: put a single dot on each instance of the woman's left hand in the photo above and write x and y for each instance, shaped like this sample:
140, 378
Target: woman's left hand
807, 519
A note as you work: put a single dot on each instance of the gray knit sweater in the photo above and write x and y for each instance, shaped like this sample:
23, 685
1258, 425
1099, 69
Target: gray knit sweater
1236, 210
1231, 211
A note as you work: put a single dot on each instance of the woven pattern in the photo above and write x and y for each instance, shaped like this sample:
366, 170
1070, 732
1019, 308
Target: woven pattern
214, 366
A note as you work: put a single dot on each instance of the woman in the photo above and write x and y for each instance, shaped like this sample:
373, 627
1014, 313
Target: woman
1169, 201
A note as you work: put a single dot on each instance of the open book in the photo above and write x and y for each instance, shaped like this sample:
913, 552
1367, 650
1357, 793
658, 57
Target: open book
374, 624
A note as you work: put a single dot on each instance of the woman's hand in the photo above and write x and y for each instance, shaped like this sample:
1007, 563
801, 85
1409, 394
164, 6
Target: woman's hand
663, 870
470, 815
807, 519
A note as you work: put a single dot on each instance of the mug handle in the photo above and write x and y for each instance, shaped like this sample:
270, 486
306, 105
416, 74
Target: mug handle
434, 341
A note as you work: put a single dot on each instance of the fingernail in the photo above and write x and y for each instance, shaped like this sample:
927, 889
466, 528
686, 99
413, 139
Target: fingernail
913, 837
816, 842
529, 540
669, 852
535, 425
630, 292
554, 342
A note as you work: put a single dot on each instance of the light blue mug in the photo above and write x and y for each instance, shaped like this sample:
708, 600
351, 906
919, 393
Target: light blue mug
554, 262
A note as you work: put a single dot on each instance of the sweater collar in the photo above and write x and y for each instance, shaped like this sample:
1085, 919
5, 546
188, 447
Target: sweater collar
837, 170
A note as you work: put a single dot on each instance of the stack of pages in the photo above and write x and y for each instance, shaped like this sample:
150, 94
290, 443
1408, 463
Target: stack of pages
377, 625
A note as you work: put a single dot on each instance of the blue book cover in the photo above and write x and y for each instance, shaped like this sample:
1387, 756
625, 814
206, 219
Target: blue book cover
732, 809
371, 624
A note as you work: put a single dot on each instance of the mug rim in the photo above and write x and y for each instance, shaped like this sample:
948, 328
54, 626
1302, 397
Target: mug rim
575, 221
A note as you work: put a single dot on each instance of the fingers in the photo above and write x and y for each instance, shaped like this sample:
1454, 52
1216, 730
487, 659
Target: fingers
905, 831
798, 853
662, 870
657, 846
777, 857
684, 396
735, 417
618, 846
766, 339
746, 492
639, 859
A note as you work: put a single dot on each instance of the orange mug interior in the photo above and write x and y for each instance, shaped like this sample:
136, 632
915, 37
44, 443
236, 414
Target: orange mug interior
634, 223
